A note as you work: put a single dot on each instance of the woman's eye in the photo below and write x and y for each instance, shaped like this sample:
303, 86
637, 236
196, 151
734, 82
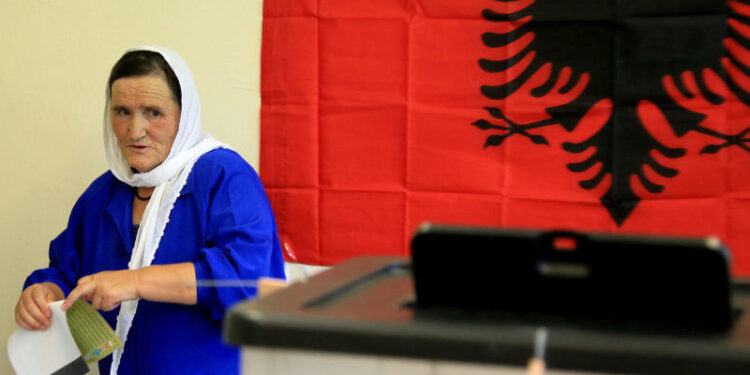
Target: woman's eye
122, 112
154, 113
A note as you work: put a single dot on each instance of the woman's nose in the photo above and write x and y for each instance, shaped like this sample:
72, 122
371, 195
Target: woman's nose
137, 127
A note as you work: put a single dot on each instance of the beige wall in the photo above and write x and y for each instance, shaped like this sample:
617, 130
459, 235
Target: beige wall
54, 61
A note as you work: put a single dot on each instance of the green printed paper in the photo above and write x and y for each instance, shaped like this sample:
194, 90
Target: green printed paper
93, 336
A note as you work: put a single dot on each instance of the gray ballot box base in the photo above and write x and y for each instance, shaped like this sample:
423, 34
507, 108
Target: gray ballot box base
366, 306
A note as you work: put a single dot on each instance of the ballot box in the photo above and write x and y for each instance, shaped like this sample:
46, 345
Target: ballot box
360, 317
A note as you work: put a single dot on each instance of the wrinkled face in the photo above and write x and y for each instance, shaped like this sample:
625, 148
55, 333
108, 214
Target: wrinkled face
145, 118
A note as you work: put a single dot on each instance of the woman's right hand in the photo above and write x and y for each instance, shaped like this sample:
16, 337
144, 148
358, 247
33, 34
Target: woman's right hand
32, 312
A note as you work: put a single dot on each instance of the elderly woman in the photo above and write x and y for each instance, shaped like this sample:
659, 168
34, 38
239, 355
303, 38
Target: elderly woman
176, 207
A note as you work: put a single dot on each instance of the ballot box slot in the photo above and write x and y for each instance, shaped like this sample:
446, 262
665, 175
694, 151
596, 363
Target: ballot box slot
359, 285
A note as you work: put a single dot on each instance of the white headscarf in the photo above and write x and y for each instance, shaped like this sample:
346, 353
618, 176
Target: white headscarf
169, 178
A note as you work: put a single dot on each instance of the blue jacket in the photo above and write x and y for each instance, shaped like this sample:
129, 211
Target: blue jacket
222, 222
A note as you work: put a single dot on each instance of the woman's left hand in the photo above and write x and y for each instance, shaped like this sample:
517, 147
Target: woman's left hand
105, 290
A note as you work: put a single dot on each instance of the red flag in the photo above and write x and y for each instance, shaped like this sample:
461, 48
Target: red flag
584, 115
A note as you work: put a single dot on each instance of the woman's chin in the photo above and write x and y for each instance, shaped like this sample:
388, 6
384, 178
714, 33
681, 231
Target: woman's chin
142, 167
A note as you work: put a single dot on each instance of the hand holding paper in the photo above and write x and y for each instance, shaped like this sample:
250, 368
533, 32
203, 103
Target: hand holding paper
72, 339
105, 290
32, 312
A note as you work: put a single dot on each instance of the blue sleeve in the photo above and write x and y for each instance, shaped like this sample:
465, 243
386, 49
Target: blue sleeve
64, 258
241, 238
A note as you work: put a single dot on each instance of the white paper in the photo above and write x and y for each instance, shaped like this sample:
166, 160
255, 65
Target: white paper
43, 352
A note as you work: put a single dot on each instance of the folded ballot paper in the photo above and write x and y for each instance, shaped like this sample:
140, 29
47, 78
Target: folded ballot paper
74, 339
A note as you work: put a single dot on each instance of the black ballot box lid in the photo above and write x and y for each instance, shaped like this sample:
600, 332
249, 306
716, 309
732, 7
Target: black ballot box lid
367, 306
676, 283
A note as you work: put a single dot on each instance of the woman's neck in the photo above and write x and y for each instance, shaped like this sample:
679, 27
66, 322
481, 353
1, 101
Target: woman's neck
140, 200
144, 193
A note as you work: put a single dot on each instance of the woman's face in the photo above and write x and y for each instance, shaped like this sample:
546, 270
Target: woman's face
145, 118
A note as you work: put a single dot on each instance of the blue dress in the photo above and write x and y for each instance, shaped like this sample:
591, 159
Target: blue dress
222, 222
